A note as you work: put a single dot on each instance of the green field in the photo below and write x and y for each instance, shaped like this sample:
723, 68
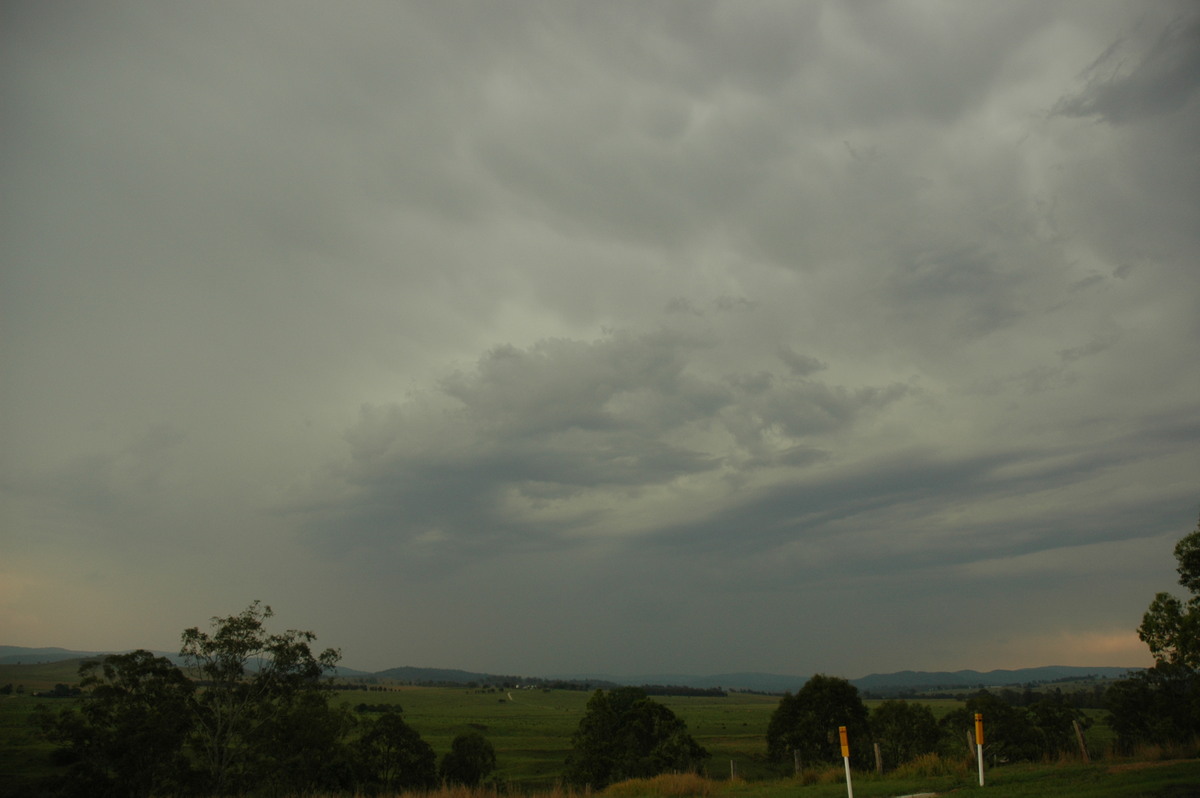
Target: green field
531, 729
531, 732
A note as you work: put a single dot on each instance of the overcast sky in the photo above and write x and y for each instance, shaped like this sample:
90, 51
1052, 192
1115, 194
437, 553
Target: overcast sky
550, 337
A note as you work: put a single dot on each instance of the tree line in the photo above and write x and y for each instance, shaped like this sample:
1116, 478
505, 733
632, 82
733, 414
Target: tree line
803, 727
1157, 706
250, 711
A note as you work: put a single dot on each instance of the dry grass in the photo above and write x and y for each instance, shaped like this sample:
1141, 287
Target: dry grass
931, 765
829, 774
666, 785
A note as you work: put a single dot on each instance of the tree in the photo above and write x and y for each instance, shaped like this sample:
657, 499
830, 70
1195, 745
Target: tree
302, 749
1162, 704
1170, 627
469, 761
251, 680
1187, 554
808, 722
393, 757
1158, 705
1009, 732
1054, 719
904, 731
624, 734
127, 736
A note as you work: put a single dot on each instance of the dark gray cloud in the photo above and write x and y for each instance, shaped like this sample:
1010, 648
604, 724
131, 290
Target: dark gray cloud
675, 324
1125, 87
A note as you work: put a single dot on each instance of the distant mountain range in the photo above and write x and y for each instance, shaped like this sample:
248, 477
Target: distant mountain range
880, 683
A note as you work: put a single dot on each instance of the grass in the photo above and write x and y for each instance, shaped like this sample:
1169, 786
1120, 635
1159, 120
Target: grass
531, 731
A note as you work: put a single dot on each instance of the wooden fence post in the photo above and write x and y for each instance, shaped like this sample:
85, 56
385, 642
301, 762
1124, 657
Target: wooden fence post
1082, 743
878, 760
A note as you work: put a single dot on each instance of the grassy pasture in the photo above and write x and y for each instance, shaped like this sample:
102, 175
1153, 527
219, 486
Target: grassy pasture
41, 676
531, 731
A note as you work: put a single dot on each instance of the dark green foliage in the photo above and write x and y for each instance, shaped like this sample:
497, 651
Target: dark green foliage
471, 759
808, 722
1055, 718
302, 748
904, 731
1170, 627
257, 719
1162, 704
127, 736
251, 679
624, 735
391, 756
1014, 733
1187, 554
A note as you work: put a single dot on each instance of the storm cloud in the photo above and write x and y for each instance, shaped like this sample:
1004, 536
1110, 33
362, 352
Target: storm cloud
557, 337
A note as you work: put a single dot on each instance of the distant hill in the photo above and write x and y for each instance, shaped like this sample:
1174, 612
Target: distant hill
19, 655
758, 682
882, 683
960, 680
879, 683
432, 675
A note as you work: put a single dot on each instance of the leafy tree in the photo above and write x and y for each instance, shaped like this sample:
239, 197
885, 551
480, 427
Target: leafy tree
1054, 718
251, 680
393, 757
808, 722
904, 731
1157, 705
1171, 627
1014, 733
127, 736
302, 749
1008, 733
623, 735
1162, 703
1187, 554
470, 760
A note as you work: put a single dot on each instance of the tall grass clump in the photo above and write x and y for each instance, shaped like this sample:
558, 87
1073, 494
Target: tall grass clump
665, 785
829, 774
1162, 752
931, 765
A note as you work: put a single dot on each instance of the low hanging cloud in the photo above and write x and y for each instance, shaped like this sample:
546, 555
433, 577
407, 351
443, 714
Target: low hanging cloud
532, 445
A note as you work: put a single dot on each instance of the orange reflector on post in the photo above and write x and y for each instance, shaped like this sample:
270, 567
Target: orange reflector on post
978, 728
845, 741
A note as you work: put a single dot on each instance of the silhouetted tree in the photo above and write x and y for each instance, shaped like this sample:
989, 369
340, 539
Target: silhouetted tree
623, 735
1162, 704
904, 731
251, 681
392, 756
127, 735
470, 760
808, 722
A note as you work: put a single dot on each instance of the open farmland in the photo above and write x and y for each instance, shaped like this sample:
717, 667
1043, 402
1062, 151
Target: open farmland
531, 729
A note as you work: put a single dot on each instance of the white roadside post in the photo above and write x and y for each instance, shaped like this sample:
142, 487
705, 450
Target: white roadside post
846, 759
979, 744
